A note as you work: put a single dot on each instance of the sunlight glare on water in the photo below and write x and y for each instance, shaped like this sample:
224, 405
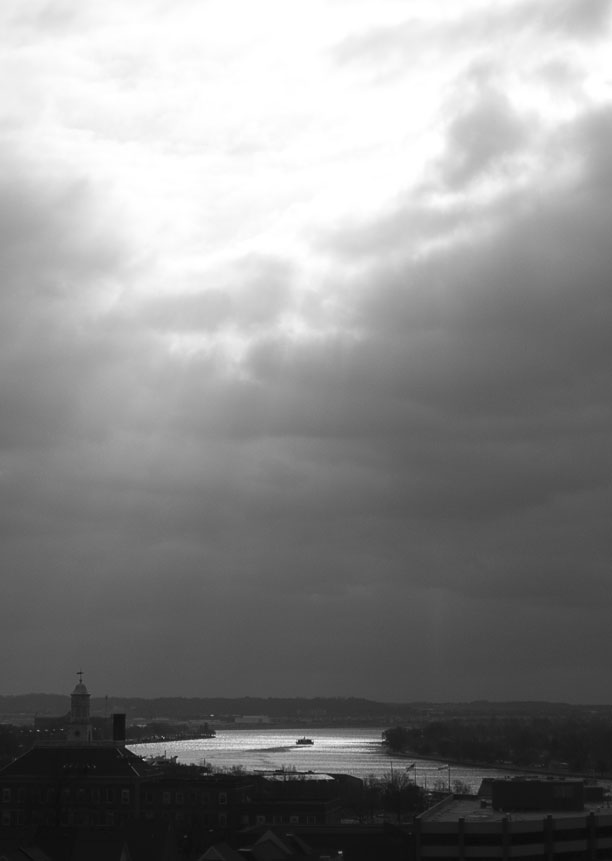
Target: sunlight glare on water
356, 751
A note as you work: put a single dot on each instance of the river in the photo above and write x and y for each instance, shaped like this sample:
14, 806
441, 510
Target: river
356, 751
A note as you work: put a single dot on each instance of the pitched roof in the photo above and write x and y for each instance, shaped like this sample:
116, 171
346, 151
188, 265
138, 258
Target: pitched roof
271, 845
16, 849
94, 760
221, 852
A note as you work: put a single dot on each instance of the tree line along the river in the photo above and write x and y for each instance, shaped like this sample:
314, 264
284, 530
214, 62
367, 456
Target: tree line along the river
575, 744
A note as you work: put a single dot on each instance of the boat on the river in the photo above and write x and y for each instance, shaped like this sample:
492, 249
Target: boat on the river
304, 740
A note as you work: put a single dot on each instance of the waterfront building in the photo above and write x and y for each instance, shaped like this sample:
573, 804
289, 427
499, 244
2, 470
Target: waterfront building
85, 783
74, 781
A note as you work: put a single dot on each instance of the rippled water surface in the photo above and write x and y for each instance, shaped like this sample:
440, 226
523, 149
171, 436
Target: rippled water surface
349, 751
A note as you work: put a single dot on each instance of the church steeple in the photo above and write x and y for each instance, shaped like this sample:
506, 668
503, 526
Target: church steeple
80, 727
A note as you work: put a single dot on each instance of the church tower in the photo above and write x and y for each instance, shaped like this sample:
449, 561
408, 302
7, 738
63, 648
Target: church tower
80, 727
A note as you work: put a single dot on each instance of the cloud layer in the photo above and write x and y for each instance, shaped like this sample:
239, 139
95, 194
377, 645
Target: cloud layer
304, 354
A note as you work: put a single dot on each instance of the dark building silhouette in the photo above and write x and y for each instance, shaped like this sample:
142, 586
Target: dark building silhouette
82, 784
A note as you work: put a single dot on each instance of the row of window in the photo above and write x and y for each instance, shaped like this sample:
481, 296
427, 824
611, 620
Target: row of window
221, 819
48, 795
279, 819
97, 818
179, 798
81, 818
96, 795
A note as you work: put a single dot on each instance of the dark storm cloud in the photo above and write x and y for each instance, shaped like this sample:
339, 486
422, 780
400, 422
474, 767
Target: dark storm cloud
511, 301
418, 467
477, 393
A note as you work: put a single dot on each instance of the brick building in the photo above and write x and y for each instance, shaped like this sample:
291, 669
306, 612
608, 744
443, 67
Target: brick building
79, 782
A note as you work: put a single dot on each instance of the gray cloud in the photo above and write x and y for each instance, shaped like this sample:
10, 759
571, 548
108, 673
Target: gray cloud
589, 18
421, 466
389, 50
258, 290
482, 137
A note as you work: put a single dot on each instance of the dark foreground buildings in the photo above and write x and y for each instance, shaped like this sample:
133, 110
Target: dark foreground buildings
73, 794
81, 799
545, 819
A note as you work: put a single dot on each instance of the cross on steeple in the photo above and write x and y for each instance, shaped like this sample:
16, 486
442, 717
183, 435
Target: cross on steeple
80, 675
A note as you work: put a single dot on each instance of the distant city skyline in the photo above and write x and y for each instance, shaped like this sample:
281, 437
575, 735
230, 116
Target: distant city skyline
305, 348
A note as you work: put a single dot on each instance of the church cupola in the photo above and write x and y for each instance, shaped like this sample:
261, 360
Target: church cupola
80, 727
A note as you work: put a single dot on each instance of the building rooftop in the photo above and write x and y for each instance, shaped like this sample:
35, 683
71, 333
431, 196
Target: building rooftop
295, 776
62, 760
469, 808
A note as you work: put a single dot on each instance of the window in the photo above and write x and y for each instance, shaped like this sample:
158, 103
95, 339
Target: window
222, 820
223, 798
95, 796
6, 817
125, 796
180, 798
6, 795
110, 795
166, 798
148, 797
261, 820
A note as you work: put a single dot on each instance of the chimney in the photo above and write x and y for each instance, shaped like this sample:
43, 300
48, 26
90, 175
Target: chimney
119, 727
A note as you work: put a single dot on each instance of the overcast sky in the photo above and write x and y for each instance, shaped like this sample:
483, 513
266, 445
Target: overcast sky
306, 348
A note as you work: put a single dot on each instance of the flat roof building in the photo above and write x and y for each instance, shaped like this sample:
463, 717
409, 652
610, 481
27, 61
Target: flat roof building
528, 819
